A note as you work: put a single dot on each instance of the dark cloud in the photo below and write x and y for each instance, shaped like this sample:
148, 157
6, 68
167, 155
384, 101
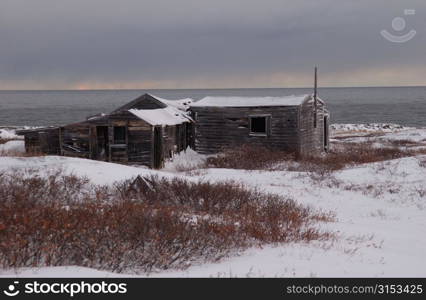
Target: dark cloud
129, 43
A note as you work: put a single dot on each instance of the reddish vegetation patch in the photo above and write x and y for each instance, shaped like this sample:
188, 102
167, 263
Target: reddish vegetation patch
154, 224
354, 154
249, 157
345, 154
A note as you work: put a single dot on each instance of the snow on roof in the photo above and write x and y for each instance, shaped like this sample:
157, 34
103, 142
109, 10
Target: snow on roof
182, 104
175, 113
250, 101
161, 116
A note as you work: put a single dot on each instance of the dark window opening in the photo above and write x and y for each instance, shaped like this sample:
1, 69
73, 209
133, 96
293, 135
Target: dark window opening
119, 135
258, 125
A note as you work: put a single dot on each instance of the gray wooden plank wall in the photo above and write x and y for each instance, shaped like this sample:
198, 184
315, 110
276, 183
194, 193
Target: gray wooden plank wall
217, 128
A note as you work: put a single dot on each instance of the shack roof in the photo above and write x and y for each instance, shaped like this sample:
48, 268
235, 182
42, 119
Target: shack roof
35, 129
250, 101
182, 104
161, 116
169, 112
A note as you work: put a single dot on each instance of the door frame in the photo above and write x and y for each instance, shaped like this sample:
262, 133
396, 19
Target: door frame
157, 160
96, 149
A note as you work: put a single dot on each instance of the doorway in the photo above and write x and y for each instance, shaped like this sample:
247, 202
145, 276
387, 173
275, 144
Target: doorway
102, 149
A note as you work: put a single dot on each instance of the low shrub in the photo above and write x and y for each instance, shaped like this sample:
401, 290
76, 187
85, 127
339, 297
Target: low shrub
346, 154
354, 154
140, 225
248, 157
404, 143
15, 153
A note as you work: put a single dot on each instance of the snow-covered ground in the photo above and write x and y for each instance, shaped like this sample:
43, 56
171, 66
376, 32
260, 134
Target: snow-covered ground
16, 146
184, 161
380, 133
98, 172
380, 212
369, 127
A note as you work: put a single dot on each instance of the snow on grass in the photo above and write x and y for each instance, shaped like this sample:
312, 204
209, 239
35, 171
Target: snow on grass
377, 235
413, 135
382, 135
185, 160
370, 127
98, 172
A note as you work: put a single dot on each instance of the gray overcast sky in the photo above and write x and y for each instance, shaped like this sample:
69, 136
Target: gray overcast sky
85, 44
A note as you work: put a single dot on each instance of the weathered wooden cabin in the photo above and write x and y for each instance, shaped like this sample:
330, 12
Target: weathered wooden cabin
148, 130
145, 131
41, 140
298, 124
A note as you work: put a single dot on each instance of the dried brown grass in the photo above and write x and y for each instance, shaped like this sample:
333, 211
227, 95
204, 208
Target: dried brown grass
346, 154
65, 220
248, 157
355, 154
13, 153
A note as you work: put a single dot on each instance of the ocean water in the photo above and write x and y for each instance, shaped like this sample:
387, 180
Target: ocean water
401, 105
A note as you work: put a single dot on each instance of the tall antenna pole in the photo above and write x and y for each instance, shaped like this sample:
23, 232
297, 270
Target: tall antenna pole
315, 96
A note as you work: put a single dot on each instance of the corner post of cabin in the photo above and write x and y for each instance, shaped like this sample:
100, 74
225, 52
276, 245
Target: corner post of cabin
152, 147
61, 152
126, 137
299, 132
315, 98
110, 140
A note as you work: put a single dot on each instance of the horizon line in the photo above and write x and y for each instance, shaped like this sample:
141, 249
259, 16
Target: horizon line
236, 88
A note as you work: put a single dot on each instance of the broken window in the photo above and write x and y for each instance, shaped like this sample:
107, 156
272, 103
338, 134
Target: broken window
259, 125
119, 135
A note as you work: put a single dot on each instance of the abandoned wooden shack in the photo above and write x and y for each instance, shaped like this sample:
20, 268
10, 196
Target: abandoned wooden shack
149, 130
298, 124
145, 131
